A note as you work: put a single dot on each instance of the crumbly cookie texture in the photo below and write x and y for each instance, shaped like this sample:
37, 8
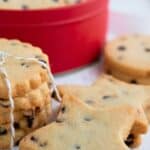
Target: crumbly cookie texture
24, 75
31, 100
24, 126
108, 92
79, 126
128, 58
30, 4
20, 114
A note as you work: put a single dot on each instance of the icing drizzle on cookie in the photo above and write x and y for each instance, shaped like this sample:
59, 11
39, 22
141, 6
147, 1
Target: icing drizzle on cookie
3, 73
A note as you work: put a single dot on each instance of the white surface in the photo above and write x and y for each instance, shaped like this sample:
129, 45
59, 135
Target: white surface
128, 16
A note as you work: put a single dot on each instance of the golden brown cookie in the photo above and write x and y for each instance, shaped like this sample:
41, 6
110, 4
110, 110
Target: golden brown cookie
79, 126
18, 115
108, 92
24, 126
24, 74
128, 58
31, 100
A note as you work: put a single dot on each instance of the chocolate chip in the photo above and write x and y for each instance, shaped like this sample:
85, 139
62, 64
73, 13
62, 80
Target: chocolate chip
34, 139
24, 7
106, 97
121, 48
25, 45
3, 131
59, 120
16, 125
41, 60
43, 144
25, 65
30, 120
147, 49
89, 102
5, 0
43, 67
37, 110
109, 72
77, 147
133, 81
17, 142
63, 109
14, 44
88, 119
130, 140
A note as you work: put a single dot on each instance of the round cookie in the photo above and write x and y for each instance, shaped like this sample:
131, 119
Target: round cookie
31, 100
30, 4
22, 128
128, 58
24, 75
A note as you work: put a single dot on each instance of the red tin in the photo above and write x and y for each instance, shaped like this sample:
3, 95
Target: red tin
72, 36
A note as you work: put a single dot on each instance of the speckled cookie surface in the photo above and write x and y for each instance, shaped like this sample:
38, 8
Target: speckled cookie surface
20, 114
24, 75
30, 4
78, 126
108, 92
24, 126
130, 57
32, 99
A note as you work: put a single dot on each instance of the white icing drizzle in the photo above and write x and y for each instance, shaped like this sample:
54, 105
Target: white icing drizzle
3, 72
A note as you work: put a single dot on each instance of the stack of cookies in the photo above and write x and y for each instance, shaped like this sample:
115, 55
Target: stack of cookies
24, 91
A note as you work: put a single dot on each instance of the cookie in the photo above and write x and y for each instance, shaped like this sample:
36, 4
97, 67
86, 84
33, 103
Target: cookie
73, 1
139, 91
33, 99
24, 126
79, 126
30, 4
106, 93
127, 78
18, 115
24, 74
128, 58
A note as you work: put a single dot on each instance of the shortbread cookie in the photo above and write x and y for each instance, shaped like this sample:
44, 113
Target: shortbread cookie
23, 127
33, 99
24, 74
139, 90
81, 127
127, 78
30, 4
128, 58
18, 115
106, 93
